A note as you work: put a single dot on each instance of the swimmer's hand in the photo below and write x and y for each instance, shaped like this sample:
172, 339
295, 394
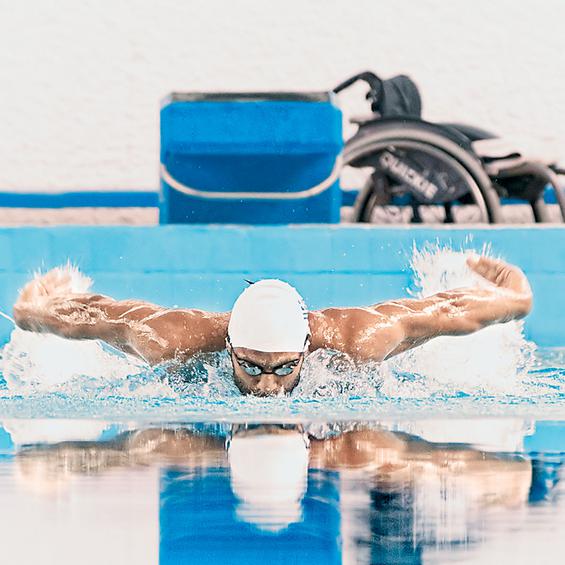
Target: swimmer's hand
60, 281
510, 281
57, 284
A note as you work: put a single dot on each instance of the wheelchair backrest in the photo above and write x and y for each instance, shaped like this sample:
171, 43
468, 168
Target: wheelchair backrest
391, 98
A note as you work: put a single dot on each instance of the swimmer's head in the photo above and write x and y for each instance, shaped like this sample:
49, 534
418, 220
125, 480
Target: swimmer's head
267, 338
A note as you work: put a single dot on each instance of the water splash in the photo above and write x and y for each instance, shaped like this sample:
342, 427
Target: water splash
493, 360
330, 374
41, 362
436, 268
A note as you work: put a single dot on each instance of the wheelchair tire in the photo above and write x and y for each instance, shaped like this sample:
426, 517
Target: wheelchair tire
544, 176
441, 143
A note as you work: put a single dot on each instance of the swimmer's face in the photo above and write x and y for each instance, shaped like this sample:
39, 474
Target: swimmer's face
267, 382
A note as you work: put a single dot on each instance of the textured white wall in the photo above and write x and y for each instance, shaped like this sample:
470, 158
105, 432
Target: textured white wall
80, 82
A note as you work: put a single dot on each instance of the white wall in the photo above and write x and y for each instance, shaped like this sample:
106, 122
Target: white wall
80, 82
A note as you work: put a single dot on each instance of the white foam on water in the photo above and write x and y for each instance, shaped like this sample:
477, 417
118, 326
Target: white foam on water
330, 374
43, 362
492, 360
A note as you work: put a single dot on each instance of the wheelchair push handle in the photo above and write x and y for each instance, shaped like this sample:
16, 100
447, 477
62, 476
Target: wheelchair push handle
369, 77
375, 87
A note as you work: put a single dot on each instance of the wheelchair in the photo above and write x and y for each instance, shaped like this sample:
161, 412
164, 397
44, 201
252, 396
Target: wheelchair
421, 166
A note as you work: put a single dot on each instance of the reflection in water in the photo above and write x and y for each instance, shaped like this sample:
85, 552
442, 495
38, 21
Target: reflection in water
268, 476
339, 493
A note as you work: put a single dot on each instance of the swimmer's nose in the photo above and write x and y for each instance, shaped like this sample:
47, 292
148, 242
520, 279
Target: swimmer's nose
267, 386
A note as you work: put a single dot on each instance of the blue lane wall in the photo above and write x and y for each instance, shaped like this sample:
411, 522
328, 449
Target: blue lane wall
206, 266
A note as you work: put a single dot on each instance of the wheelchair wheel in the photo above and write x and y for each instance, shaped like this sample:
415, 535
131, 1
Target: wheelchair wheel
404, 155
527, 181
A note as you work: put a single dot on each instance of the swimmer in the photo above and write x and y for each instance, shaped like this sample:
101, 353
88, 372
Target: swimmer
269, 331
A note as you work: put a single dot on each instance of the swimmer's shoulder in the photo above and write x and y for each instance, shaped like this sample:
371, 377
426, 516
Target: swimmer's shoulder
179, 334
363, 333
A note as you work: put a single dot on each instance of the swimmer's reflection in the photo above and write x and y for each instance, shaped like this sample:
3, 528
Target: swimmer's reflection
385, 495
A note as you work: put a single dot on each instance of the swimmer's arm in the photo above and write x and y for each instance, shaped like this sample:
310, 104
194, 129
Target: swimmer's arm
150, 332
381, 331
142, 447
463, 311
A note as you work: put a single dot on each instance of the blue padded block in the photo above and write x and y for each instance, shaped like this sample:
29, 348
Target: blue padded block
234, 127
250, 146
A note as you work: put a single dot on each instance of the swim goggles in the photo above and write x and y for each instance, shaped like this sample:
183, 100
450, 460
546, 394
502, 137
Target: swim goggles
254, 370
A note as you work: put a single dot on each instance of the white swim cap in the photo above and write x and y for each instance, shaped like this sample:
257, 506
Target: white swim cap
268, 475
269, 316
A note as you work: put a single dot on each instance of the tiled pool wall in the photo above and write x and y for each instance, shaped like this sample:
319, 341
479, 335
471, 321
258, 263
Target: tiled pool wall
206, 266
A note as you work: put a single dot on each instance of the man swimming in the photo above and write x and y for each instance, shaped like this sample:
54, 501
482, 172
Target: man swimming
269, 332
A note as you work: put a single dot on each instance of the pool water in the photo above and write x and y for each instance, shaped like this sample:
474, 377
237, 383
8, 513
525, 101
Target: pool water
391, 392
134, 469
334, 492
